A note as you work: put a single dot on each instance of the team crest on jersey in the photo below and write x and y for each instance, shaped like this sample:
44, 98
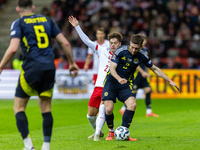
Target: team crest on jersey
124, 58
135, 60
106, 94
129, 60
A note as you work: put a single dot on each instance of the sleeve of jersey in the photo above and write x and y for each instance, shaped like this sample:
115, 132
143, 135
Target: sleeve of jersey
115, 58
147, 62
55, 29
85, 39
15, 30
90, 51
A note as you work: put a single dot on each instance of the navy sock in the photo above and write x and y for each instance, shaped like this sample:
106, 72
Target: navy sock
109, 120
127, 118
22, 123
47, 126
148, 100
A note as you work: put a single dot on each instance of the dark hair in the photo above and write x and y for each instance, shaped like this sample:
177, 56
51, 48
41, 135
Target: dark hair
137, 39
24, 3
116, 35
101, 29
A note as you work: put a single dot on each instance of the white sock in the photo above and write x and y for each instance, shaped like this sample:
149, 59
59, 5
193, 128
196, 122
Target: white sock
148, 110
123, 108
100, 119
28, 143
46, 146
92, 120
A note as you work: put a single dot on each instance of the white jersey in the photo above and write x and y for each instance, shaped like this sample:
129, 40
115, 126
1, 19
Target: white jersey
103, 53
95, 66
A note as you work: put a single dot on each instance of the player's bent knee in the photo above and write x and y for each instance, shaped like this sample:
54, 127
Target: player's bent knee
132, 106
109, 111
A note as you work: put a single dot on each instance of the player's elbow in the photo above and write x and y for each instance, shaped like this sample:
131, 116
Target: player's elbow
66, 44
13, 49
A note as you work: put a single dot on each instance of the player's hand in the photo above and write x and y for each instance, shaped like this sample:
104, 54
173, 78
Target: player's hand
122, 81
73, 21
73, 68
173, 84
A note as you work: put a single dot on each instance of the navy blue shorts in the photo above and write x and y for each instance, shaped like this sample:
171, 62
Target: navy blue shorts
113, 90
38, 83
140, 82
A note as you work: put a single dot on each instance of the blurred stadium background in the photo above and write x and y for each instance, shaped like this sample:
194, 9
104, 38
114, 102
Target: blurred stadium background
172, 28
173, 31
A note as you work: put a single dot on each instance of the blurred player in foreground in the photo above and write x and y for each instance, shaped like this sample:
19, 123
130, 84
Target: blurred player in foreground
104, 64
118, 82
142, 82
34, 32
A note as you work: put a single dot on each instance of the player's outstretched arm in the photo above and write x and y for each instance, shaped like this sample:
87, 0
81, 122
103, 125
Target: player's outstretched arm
161, 74
10, 52
74, 22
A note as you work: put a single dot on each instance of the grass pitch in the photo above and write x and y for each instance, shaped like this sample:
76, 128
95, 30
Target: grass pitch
177, 127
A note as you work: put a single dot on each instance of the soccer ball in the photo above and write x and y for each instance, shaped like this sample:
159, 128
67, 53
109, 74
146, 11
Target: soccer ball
122, 133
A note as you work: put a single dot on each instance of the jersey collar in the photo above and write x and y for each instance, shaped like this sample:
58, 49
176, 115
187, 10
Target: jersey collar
110, 53
102, 43
29, 14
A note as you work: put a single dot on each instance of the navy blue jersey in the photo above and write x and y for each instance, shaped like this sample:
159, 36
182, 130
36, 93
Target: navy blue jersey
35, 32
145, 51
127, 63
137, 73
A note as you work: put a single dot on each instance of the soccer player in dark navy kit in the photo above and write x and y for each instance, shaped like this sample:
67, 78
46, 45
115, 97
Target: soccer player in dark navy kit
34, 32
118, 82
142, 81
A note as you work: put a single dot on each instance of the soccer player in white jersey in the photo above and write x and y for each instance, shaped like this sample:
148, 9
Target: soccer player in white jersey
94, 102
100, 35
105, 55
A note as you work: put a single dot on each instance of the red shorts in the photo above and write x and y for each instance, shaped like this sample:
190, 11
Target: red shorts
94, 79
95, 98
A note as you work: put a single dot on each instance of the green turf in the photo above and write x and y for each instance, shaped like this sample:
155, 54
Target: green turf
177, 128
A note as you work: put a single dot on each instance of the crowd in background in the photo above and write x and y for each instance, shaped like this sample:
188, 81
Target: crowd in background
172, 26
2, 3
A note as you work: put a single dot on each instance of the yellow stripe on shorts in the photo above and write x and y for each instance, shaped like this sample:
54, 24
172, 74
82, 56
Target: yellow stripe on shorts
47, 93
25, 86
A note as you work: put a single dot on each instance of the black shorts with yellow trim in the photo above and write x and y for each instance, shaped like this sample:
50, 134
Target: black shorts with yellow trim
38, 83
113, 90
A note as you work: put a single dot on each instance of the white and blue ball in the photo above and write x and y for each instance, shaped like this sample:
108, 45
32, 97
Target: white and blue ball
122, 133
